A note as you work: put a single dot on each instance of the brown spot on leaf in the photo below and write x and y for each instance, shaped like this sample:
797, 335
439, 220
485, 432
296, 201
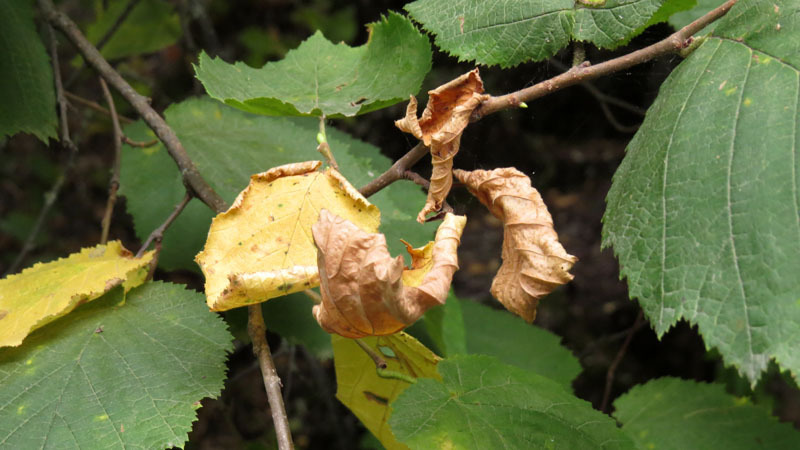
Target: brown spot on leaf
3, 313
383, 401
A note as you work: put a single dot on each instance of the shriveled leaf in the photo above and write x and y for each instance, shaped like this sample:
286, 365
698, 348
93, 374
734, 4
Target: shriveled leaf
26, 77
368, 392
114, 374
322, 78
510, 32
705, 224
261, 247
46, 291
481, 403
228, 146
366, 292
444, 119
150, 26
705, 415
534, 262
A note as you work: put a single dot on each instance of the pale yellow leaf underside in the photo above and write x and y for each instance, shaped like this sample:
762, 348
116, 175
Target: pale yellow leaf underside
261, 248
367, 394
46, 291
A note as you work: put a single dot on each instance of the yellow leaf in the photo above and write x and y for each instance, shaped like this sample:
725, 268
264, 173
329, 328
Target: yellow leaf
364, 290
261, 248
42, 293
368, 394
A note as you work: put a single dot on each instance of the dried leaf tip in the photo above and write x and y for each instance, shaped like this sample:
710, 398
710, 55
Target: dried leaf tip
440, 127
534, 261
366, 292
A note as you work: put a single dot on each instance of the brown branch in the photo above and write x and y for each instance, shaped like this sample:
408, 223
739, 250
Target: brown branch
612, 369
158, 234
52, 195
92, 105
191, 176
395, 172
133, 143
676, 42
113, 183
419, 180
257, 331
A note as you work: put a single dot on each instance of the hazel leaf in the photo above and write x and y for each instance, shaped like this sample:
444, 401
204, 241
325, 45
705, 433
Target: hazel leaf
46, 291
366, 292
440, 127
262, 248
534, 262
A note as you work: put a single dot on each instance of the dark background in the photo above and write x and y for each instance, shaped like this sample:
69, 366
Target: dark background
566, 141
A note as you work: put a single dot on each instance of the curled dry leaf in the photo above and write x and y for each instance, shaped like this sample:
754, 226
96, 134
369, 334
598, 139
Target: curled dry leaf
366, 292
534, 262
440, 127
262, 248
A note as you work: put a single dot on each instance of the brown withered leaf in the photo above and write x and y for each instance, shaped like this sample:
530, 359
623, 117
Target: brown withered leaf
440, 127
366, 292
534, 262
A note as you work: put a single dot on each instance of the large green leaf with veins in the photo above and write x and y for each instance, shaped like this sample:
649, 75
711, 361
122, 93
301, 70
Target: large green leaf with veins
114, 374
320, 77
228, 146
510, 32
26, 77
670, 413
482, 403
704, 212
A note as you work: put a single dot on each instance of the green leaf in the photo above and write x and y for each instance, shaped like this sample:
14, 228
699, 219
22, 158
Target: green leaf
444, 325
150, 26
228, 146
700, 8
669, 413
26, 77
510, 339
703, 211
322, 78
512, 32
482, 403
114, 374
463, 326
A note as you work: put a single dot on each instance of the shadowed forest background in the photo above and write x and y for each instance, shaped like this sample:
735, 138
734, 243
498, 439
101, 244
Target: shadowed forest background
570, 143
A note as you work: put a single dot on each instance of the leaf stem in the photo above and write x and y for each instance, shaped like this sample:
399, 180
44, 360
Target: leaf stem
113, 183
324, 148
380, 363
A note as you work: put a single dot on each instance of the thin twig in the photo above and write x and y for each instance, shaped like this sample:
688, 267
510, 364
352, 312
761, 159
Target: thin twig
676, 42
612, 369
601, 96
324, 148
158, 234
191, 176
397, 170
113, 183
105, 38
425, 184
52, 195
93, 105
380, 363
257, 331
133, 143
